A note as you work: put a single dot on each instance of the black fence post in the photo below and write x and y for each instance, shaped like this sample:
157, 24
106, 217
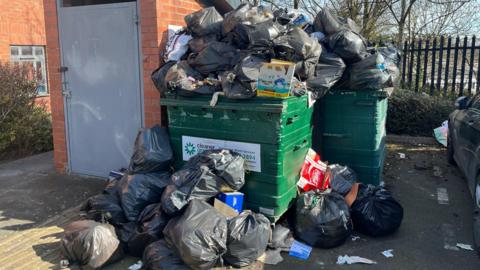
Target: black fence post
425, 63
440, 63
417, 73
472, 60
410, 64
462, 68
404, 54
447, 65
455, 65
432, 70
478, 71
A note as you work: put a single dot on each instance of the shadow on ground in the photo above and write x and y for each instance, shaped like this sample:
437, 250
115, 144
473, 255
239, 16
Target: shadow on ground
33, 192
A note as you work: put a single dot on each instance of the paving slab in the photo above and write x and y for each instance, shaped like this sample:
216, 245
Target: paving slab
32, 192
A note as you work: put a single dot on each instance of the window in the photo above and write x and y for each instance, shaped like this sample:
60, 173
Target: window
34, 58
73, 3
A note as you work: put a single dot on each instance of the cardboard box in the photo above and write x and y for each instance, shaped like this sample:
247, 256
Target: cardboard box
233, 199
275, 79
226, 210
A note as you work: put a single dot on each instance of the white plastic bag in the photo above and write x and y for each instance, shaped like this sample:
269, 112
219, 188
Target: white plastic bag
177, 48
441, 133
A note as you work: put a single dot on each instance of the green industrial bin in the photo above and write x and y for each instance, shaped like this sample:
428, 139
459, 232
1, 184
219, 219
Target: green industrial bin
272, 134
353, 131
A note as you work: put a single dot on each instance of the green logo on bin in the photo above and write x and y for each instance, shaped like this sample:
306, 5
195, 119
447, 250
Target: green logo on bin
190, 148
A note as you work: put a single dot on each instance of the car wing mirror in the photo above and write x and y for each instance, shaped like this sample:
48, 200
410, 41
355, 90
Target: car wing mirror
462, 103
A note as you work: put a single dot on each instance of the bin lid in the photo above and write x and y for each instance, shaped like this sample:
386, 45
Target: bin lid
260, 104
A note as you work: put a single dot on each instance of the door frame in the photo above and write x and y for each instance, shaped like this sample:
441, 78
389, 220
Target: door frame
66, 110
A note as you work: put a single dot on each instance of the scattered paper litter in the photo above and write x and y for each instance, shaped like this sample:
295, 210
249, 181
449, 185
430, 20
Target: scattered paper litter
64, 264
271, 256
388, 253
355, 238
136, 266
465, 246
401, 155
353, 259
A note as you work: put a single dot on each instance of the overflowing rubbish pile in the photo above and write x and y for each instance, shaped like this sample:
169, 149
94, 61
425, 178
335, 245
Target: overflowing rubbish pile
193, 218
252, 51
333, 205
170, 221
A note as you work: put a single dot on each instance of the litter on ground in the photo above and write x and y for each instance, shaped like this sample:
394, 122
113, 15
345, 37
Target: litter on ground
353, 260
464, 246
388, 253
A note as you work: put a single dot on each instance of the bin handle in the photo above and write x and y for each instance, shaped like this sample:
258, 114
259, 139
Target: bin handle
291, 120
334, 135
364, 103
300, 146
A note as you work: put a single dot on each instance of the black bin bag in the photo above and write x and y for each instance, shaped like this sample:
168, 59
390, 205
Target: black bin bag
199, 236
350, 46
125, 231
328, 72
159, 256
248, 236
152, 151
297, 46
183, 80
261, 35
139, 190
251, 27
242, 82
228, 165
204, 22
368, 74
104, 208
322, 219
158, 77
215, 57
233, 88
203, 177
91, 244
392, 58
257, 38
245, 14
151, 223
197, 44
375, 212
330, 24
342, 179
248, 69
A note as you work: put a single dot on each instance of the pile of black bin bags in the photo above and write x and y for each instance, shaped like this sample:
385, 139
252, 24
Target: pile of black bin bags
168, 218
325, 219
224, 54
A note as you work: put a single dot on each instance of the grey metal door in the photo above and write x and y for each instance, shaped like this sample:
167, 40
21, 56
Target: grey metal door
101, 85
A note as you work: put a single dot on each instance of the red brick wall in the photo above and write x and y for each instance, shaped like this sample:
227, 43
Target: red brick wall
55, 85
155, 16
21, 23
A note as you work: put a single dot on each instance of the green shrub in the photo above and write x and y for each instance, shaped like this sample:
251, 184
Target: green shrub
416, 114
24, 127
